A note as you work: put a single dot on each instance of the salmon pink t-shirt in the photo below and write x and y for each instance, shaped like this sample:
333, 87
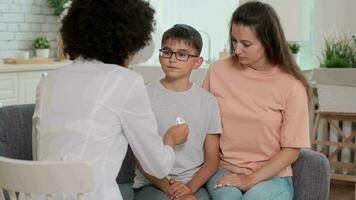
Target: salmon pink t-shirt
261, 112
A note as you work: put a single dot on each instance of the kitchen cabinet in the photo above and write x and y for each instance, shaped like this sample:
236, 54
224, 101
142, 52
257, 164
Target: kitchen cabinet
18, 83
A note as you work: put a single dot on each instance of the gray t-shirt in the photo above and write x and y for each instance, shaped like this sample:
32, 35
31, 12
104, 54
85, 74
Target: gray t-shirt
200, 110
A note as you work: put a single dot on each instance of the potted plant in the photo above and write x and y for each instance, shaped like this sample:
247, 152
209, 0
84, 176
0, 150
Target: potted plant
58, 6
335, 79
353, 46
294, 48
339, 52
42, 45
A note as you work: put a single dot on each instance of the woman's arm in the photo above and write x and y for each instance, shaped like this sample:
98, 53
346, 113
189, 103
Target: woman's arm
279, 162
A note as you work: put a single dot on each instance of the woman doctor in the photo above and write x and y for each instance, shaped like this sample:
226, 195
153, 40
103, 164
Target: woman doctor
93, 108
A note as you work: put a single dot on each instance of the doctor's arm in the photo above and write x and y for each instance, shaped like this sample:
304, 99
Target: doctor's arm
156, 155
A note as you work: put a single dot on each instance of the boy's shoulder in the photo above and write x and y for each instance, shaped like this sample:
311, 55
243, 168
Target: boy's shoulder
204, 93
153, 85
197, 91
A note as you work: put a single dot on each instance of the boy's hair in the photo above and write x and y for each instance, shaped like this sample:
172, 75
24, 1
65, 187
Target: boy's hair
184, 32
106, 30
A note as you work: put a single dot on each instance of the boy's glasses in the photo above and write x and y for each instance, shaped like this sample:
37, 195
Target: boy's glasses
182, 56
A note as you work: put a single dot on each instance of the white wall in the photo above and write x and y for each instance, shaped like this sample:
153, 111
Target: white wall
294, 16
21, 21
310, 20
334, 17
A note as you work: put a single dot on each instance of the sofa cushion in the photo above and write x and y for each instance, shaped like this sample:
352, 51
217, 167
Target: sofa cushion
127, 171
16, 131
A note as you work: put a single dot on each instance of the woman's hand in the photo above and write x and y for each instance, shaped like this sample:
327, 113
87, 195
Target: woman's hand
243, 182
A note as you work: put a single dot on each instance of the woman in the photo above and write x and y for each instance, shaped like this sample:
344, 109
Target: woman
92, 109
263, 100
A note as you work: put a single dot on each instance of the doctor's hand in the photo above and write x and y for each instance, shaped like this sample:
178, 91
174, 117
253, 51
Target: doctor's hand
176, 135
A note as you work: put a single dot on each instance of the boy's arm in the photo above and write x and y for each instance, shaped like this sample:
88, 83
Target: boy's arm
162, 184
210, 165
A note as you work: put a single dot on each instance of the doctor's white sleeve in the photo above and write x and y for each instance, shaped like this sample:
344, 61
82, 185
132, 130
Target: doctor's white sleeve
140, 128
35, 118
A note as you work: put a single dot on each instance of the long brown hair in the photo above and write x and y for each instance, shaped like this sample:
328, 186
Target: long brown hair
264, 19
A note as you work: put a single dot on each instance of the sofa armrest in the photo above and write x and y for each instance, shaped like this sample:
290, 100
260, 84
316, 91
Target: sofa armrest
311, 176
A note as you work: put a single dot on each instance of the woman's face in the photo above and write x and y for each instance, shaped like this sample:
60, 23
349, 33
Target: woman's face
247, 47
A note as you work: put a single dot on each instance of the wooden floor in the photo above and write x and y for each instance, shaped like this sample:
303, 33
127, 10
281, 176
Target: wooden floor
342, 191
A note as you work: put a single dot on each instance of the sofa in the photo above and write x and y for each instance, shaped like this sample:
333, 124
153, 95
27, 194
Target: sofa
311, 170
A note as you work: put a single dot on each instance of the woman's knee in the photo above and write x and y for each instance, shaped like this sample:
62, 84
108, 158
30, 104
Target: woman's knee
276, 188
282, 195
224, 193
215, 178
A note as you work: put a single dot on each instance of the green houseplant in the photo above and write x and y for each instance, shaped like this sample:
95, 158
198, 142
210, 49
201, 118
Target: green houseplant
58, 6
335, 79
294, 47
339, 52
42, 45
353, 58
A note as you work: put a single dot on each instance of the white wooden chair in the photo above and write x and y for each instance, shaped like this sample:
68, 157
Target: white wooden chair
48, 178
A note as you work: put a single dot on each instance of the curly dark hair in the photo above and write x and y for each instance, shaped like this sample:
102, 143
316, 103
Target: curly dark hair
106, 30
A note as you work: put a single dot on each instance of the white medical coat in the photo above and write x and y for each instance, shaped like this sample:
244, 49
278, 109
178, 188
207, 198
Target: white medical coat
91, 111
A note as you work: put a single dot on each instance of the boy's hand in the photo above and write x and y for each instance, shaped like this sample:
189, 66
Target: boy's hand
178, 190
187, 197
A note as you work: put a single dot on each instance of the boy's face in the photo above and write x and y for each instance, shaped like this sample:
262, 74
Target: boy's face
179, 68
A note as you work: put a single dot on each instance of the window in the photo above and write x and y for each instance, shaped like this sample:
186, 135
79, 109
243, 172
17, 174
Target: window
308, 58
211, 18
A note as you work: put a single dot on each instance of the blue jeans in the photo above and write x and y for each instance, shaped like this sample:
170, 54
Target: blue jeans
276, 188
150, 192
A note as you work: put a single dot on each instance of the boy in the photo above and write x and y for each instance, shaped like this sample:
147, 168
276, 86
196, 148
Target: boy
175, 97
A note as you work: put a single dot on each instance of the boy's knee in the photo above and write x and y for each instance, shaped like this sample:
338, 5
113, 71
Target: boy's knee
150, 193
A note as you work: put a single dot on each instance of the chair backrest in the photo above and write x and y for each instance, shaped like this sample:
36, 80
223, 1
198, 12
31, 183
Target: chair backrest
49, 178
16, 138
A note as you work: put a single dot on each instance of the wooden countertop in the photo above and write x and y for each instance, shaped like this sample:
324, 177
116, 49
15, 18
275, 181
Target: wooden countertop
6, 68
